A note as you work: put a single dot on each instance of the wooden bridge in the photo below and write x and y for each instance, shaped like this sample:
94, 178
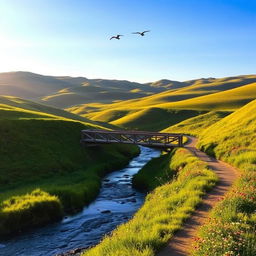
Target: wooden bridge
143, 138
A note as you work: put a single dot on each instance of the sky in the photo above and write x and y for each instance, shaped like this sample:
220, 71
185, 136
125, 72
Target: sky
188, 39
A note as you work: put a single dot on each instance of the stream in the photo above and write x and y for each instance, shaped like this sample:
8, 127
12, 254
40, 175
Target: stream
115, 204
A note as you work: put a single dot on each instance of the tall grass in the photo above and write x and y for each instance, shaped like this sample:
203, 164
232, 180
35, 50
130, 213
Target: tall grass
155, 173
163, 212
29, 210
232, 227
196, 125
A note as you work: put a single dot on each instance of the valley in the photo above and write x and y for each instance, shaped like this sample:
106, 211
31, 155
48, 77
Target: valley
43, 166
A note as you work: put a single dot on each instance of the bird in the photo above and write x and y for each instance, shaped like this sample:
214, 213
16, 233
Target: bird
116, 37
141, 33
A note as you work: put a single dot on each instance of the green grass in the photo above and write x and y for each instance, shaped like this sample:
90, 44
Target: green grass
99, 90
22, 106
155, 173
159, 111
180, 92
163, 212
231, 229
29, 210
154, 118
196, 125
229, 100
109, 115
42, 151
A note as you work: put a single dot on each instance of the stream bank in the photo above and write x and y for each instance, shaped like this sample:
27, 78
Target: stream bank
116, 203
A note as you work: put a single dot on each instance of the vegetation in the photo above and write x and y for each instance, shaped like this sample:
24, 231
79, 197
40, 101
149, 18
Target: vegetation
19, 109
154, 118
162, 110
163, 211
42, 151
176, 91
231, 229
196, 125
29, 210
43, 166
67, 91
155, 173
229, 100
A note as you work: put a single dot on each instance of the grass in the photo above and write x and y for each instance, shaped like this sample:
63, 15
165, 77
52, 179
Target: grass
109, 115
154, 118
99, 90
22, 106
150, 177
224, 94
29, 210
42, 151
163, 212
229, 100
231, 229
178, 91
196, 125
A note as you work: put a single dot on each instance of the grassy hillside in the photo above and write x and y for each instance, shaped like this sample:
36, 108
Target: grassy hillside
232, 226
26, 108
188, 90
29, 85
91, 93
64, 91
102, 91
236, 130
229, 100
226, 94
42, 151
154, 118
196, 125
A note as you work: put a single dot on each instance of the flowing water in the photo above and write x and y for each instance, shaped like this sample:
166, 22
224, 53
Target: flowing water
116, 203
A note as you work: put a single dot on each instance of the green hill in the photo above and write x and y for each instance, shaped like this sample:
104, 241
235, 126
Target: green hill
234, 134
227, 101
101, 91
187, 90
29, 85
64, 91
154, 118
27, 107
196, 125
43, 165
233, 220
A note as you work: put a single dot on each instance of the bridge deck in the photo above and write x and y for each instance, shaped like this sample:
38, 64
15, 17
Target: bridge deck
144, 138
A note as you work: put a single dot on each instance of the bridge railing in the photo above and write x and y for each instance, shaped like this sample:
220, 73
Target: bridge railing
143, 138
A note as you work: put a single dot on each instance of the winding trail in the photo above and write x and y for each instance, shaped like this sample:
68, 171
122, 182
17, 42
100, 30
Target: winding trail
180, 244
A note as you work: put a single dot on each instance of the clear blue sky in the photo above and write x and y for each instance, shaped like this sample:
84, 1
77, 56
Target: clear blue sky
188, 39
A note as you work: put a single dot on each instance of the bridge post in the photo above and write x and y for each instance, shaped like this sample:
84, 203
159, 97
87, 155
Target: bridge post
180, 140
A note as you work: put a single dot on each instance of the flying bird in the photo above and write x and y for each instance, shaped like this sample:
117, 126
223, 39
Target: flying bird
116, 37
141, 33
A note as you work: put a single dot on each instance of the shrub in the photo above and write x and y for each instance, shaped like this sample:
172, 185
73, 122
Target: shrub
30, 210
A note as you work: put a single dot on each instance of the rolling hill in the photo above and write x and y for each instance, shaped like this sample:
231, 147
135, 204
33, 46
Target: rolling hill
64, 91
188, 90
219, 96
29, 85
155, 105
233, 135
17, 108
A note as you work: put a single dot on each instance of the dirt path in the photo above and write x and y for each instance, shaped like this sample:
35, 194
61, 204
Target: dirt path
181, 242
